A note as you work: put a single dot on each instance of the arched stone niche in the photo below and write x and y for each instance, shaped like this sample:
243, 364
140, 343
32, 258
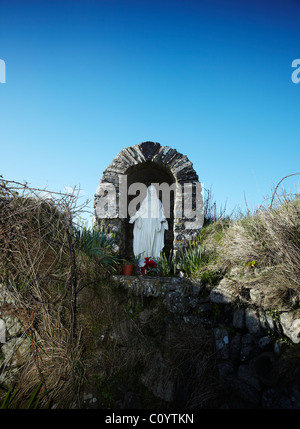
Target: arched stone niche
150, 163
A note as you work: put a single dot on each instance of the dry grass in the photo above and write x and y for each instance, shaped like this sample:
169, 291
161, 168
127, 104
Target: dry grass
55, 362
192, 352
110, 330
269, 243
38, 268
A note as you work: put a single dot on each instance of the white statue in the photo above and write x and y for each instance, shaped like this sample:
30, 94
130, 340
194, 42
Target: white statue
149, 228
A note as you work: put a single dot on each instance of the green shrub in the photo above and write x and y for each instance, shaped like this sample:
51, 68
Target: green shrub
168, 264
95, 243
191, 258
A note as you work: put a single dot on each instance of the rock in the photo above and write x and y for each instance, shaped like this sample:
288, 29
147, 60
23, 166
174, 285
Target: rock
5, 296
264, 342
87, 396
16, 350
235, 347
278, 346
9, 376
290, 323
238, 318
248, 348
14, 354
205, 307
176, 303
13, 325
222, 342
270, 322
224, 293
252, 322
262, 319
257, 296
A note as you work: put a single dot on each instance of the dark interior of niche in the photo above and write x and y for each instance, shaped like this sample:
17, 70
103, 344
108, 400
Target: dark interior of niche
148, 173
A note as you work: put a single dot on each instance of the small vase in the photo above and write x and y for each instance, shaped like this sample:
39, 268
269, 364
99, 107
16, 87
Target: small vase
127, 270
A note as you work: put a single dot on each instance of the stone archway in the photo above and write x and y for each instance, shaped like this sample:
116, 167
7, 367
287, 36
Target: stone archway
149, 162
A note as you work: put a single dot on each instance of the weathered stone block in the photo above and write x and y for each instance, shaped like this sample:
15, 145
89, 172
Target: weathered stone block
222, 342
224, 293
290, 323
238, 318
253, 323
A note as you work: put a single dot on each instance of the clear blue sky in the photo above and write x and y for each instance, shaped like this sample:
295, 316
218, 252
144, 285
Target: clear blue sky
210, 78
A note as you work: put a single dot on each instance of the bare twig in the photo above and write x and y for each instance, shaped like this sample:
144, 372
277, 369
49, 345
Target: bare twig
290, 175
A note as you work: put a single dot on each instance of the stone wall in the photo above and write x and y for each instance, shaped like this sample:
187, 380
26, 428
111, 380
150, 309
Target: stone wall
250, 341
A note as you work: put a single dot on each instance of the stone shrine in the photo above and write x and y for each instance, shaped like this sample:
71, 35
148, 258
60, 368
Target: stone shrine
150, 163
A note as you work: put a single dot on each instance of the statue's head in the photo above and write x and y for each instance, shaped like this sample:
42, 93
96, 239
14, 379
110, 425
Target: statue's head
152, 191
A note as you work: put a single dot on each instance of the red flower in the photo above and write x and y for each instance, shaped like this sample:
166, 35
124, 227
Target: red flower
153, 264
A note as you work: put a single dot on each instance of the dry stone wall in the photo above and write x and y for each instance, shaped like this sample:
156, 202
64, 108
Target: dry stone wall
249, 339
